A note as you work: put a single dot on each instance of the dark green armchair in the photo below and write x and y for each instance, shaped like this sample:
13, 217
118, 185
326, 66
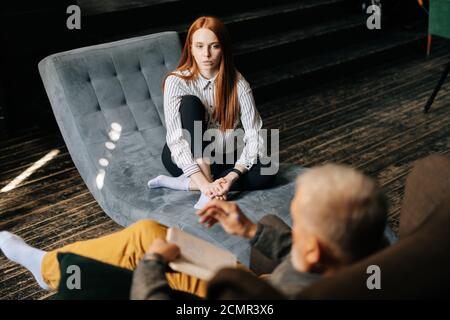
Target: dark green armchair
439, 21
438, 25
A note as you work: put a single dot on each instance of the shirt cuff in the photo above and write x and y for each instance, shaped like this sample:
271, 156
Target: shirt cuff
247, 164
259, 230
154, 257
190, 169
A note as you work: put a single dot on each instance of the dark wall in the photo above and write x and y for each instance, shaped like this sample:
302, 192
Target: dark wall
3, 116
28, 33
32, 30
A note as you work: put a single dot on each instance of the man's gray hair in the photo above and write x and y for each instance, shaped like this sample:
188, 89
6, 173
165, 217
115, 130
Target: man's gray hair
345, 208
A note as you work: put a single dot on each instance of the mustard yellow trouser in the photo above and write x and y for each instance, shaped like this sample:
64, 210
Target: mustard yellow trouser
123, 249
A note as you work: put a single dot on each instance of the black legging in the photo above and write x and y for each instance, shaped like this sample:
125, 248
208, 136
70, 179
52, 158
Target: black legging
192, 109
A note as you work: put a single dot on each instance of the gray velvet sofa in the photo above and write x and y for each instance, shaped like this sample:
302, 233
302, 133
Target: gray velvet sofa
121, 82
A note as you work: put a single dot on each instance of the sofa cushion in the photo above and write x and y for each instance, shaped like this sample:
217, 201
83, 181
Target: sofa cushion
98, 280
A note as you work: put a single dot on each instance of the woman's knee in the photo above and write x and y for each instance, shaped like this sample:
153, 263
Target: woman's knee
191, 99
169, 164
266, 173
257, 180
192, 107
266, 180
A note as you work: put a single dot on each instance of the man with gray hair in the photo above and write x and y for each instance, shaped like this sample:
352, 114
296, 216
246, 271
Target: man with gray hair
338, 214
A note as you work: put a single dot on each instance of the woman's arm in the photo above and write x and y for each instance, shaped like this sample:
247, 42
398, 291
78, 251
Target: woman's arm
252, 123
227, 181
179, 147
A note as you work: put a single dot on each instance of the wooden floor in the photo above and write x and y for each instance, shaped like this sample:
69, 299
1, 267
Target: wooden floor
372, 120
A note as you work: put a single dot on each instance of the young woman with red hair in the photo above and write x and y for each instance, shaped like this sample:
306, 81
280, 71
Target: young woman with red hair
207, 93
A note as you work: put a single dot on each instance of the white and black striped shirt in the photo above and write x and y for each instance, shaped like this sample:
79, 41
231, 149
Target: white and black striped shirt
250, 121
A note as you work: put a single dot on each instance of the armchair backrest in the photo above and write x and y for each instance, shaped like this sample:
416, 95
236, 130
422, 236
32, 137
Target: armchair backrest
417, 266
439, 20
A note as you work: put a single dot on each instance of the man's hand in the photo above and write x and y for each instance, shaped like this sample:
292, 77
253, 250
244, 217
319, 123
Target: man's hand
168, 251
230, 216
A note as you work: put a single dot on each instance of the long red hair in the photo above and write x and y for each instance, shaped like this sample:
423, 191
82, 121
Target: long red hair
226, 100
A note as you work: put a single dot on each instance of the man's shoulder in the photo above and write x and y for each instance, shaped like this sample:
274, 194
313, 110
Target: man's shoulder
289, 280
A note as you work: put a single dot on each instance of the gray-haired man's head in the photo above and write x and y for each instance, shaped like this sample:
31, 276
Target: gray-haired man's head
339, 216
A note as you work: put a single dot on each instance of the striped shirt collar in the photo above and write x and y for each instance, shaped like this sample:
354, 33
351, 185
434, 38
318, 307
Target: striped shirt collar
204, 83
201, 81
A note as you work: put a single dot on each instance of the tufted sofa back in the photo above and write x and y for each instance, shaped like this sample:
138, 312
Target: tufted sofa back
116, 82
120, 82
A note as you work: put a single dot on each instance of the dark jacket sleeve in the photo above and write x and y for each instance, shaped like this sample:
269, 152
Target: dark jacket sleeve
150, 282
273, 240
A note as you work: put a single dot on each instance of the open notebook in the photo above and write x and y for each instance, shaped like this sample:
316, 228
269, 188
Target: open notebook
198, 258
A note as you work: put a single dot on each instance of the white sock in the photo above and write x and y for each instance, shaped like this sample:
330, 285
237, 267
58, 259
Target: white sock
202, 201
175, 183
15, 249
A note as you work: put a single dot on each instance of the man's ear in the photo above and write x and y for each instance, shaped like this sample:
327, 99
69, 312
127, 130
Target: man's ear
313, 251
